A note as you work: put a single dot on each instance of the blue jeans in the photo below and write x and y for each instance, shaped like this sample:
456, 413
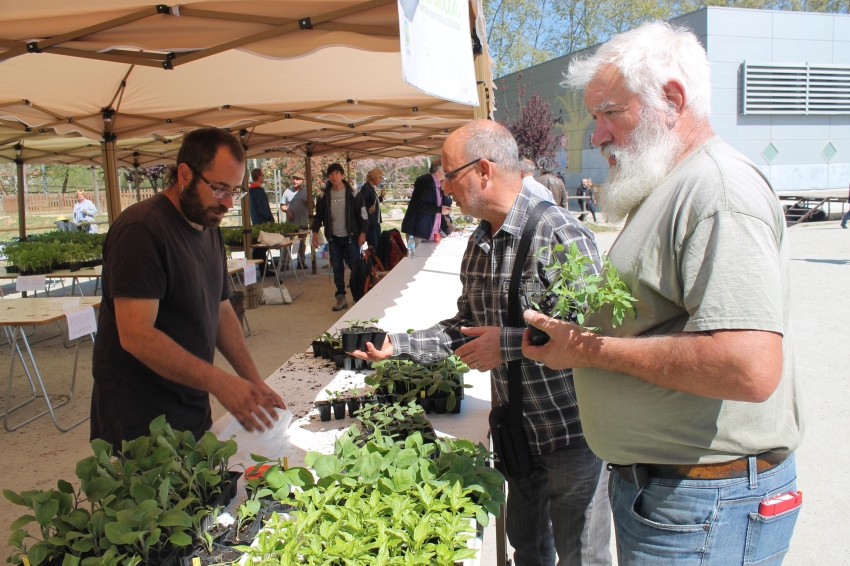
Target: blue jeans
342, 251
703, 522
845, 218
562, 507
373, 234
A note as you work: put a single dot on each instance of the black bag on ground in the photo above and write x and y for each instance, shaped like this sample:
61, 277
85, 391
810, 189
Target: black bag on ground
510, 442
365, 274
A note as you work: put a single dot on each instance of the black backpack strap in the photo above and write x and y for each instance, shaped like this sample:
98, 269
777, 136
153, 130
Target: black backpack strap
515, 320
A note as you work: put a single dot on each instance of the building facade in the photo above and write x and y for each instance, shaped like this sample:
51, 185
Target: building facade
780, 95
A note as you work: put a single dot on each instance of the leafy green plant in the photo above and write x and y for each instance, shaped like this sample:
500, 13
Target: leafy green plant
575, 291
395, 421
408, 378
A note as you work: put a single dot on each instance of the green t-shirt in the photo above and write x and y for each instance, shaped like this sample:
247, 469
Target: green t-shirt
706, 250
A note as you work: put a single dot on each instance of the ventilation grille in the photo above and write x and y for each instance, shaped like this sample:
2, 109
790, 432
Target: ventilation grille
772, 88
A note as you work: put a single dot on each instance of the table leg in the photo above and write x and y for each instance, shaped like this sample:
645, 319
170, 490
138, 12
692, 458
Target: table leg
287, 266
50, 407
17, 349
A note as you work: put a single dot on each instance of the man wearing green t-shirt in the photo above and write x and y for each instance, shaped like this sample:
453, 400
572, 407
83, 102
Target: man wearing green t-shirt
694, 402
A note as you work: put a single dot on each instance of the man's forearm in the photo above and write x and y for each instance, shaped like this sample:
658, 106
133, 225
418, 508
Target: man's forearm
738, 365
231, 344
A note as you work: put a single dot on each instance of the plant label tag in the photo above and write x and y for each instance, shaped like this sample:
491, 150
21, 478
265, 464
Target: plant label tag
30, 283
250, 274
81, 322
25, 560
196, 561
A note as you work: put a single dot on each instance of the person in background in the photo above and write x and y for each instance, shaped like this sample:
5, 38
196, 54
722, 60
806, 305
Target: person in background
167, 308
846, 216
526, 169
428, 203
556, 186
84, 212
372, 199
695, 400
342, 212
261, 212
586, 190
295, 206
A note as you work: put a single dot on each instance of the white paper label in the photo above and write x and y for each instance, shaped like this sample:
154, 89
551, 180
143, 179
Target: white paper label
30, 283
81, 322
250, 274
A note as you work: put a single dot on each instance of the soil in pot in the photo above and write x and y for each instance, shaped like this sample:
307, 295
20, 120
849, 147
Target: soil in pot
324, 410
339, 410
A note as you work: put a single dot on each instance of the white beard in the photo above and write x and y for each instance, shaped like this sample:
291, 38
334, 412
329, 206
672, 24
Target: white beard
640, 167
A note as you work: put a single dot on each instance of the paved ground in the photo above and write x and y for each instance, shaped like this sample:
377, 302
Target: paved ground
37, 455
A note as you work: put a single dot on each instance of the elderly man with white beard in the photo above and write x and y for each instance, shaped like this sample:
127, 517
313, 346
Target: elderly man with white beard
695, 400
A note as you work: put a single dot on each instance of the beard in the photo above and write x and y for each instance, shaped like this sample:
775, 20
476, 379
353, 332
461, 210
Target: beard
190, 203
640, 167
475, 204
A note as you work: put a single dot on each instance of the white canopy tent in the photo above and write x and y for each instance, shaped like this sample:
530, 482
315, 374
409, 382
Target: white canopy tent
109, 82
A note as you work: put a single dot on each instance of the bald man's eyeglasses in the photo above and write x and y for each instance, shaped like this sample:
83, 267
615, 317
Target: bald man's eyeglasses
451, 174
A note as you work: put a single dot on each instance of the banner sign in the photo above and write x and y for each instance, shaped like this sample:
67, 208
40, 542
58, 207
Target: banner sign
436, 48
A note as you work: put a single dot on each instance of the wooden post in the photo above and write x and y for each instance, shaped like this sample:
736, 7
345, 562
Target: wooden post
483, 109
110, 177
308, 182
22, 199
136, 176
252, 296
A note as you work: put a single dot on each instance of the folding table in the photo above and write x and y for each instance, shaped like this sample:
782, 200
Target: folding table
14, 315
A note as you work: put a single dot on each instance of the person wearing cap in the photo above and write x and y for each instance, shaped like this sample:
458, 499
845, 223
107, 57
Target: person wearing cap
342, 212
373, 201
295, 206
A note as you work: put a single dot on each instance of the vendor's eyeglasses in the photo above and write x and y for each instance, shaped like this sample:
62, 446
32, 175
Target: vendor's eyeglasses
451, 174
220, 193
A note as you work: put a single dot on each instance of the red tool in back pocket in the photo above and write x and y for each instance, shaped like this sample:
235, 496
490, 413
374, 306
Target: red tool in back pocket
780, 503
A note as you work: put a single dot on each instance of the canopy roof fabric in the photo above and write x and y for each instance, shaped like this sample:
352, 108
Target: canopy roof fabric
294, 77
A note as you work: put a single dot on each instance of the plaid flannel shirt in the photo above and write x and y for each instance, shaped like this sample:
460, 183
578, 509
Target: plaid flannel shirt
549, 409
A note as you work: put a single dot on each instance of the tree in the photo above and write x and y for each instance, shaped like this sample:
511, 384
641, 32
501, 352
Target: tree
396, 171
532, 129
522, 33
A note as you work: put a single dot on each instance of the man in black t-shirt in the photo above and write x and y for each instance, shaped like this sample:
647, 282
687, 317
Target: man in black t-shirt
166, 306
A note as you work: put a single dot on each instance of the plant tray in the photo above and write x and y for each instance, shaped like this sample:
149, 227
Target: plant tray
221, 555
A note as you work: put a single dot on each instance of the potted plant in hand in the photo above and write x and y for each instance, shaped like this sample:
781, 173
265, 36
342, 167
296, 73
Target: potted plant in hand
574, 292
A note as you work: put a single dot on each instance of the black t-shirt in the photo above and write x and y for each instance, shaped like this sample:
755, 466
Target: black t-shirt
151, 252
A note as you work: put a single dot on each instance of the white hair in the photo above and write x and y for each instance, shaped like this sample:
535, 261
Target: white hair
648, 57
526, 166
491, 140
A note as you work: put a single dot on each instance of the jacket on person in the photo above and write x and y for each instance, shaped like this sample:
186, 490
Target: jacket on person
260, 210
356, 220
371, 197
560, 196
419, 218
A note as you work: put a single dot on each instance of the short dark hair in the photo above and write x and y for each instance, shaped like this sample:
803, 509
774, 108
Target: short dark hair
436, 165
335, 167
200, 146
256, 174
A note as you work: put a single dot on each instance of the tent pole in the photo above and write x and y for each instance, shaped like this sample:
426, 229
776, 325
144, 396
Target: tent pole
483, 108
110, 177
136, 176
251, 297
308, 182
22, 200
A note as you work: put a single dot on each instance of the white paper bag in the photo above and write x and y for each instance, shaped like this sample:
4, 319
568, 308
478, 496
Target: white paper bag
272, 296
273, 443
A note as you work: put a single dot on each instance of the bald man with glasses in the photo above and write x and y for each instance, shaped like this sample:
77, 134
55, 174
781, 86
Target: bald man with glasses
166, 306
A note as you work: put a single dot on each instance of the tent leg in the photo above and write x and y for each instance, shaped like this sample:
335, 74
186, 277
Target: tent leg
308, 182
22, 199
110, 177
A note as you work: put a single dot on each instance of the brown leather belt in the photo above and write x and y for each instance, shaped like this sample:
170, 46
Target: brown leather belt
640, 473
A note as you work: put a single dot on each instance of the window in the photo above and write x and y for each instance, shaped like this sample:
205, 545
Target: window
776, 88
